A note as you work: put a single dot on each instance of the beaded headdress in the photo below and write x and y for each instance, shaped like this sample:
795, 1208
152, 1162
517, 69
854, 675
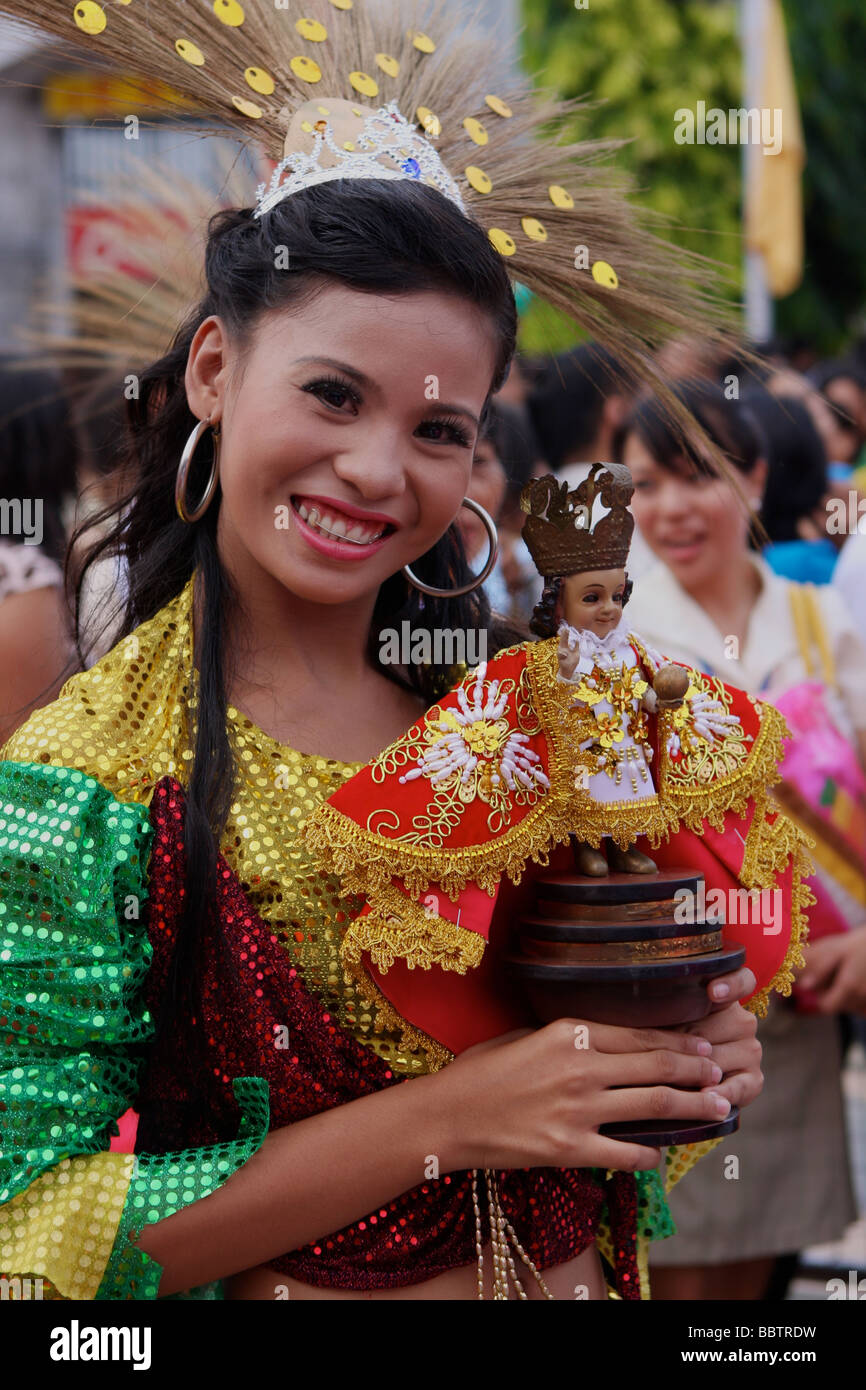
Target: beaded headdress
408, 90
558, 530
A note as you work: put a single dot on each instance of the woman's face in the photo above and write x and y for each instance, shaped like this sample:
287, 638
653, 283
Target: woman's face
695, 524
347, 432
487, 486
838, 435
843, 392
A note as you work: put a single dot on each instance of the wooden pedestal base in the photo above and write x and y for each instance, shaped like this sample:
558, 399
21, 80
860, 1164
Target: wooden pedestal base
658, 1134
613, 950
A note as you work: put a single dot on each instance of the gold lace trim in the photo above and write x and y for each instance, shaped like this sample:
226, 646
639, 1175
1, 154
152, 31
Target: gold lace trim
397, 926
367, 863
802, 897
387, 1017
621, 821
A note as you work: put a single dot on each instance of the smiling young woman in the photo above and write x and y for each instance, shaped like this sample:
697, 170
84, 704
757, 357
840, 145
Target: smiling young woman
316, 384
293, 478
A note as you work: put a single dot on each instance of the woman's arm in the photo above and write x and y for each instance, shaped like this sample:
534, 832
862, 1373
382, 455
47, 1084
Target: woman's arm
308, 1179
161, 1223
34, 650
528, 1100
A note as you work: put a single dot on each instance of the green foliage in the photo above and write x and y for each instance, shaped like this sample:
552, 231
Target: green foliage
643, 60
828, 49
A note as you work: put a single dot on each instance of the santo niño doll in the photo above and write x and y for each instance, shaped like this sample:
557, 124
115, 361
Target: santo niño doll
618, 682
443, 833
544, 744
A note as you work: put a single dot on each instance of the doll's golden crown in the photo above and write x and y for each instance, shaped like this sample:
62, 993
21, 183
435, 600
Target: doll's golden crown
557, 530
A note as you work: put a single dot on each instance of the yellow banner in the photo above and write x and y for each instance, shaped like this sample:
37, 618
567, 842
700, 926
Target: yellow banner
87, 95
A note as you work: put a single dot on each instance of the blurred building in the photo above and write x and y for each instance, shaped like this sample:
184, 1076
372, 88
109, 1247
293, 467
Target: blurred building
75, 132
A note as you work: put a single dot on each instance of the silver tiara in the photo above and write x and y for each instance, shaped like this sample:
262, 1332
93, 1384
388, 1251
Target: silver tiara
385, 133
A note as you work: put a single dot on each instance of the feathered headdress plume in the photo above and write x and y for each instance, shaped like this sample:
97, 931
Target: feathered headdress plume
555, 211
124, 313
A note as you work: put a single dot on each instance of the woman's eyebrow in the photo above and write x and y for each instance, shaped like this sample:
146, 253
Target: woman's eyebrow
453, 410
336, 366
368, 383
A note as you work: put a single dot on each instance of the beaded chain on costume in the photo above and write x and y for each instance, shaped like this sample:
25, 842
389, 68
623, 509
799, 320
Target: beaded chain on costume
500, 1232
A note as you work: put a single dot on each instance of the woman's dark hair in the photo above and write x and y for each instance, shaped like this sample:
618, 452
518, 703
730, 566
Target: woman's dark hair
568, 397
378, 238
825, 373
511, 432
796, 462
38, 456
100, 419
727, 423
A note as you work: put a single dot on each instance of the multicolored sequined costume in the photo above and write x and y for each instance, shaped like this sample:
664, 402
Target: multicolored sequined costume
91, 862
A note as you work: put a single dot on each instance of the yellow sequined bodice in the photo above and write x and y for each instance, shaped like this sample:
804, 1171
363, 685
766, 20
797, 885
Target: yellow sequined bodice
127, 722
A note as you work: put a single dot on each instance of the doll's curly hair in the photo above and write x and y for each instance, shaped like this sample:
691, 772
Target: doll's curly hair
544, 622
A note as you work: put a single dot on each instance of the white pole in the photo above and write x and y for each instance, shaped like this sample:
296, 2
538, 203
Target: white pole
759, 303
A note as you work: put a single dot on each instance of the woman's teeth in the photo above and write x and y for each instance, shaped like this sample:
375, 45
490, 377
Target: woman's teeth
340, 527
685, 544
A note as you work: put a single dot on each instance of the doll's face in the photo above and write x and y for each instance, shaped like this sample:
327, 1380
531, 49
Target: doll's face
593, 600
348, 426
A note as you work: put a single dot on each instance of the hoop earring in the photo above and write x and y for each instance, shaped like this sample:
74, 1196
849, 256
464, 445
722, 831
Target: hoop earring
183, 473
492, 536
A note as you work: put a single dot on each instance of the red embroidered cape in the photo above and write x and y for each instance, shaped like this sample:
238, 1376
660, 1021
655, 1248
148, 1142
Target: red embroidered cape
484, 784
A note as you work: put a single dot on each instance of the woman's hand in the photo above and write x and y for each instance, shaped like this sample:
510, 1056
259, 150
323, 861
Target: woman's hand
537, 1098
836, 972
732, 1031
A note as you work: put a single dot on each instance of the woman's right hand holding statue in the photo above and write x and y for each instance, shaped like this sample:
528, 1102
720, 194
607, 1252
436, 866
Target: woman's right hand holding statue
537, 1098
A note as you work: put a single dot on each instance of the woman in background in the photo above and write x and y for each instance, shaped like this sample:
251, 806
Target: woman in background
712, 602
506, 455
793, 510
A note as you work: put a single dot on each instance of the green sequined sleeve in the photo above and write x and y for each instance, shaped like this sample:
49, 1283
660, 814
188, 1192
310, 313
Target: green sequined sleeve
74, 955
